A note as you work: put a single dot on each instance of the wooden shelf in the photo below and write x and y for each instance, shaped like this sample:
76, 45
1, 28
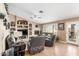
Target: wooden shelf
12, 28
22, 28
24, 22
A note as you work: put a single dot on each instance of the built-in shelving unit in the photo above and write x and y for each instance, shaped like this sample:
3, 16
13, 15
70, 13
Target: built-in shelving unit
21, 25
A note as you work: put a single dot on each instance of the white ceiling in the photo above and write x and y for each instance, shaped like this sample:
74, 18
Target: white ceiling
52, 11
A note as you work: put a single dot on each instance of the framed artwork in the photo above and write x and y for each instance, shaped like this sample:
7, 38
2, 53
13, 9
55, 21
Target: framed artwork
61, 26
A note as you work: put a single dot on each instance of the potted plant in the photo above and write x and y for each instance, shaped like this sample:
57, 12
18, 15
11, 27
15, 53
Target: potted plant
2, 16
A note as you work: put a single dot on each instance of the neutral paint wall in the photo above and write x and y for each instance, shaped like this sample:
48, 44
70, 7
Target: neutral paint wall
62, 33
3, 31
2, 8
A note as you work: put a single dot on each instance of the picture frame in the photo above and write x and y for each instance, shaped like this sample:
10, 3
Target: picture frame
61, 26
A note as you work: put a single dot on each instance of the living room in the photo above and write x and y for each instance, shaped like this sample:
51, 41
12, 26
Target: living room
39, 28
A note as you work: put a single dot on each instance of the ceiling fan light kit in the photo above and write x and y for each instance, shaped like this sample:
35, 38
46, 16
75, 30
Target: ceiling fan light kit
37, 16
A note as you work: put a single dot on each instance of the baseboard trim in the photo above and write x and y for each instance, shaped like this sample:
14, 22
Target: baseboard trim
62, 42
68, 43
72, 44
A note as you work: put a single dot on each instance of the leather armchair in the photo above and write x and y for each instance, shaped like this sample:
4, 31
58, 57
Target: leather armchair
50, 41
36, 44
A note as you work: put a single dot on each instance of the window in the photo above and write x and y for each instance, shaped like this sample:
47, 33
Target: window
50, 28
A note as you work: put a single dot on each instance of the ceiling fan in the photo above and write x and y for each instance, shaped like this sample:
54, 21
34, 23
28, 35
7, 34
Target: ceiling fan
37, 16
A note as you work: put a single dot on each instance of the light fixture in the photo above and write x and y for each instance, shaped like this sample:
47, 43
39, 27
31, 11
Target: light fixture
37, 16
40, 11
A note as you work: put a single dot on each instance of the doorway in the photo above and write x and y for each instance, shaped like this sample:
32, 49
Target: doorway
72, 32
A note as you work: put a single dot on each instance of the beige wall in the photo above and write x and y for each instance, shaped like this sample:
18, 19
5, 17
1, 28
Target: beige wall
2, 8
62, 33
3, 31
12, 17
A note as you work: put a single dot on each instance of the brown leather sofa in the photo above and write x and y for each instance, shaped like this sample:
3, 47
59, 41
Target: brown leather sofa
36, 44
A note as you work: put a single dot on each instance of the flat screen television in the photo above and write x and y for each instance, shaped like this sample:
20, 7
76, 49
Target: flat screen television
24, 31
